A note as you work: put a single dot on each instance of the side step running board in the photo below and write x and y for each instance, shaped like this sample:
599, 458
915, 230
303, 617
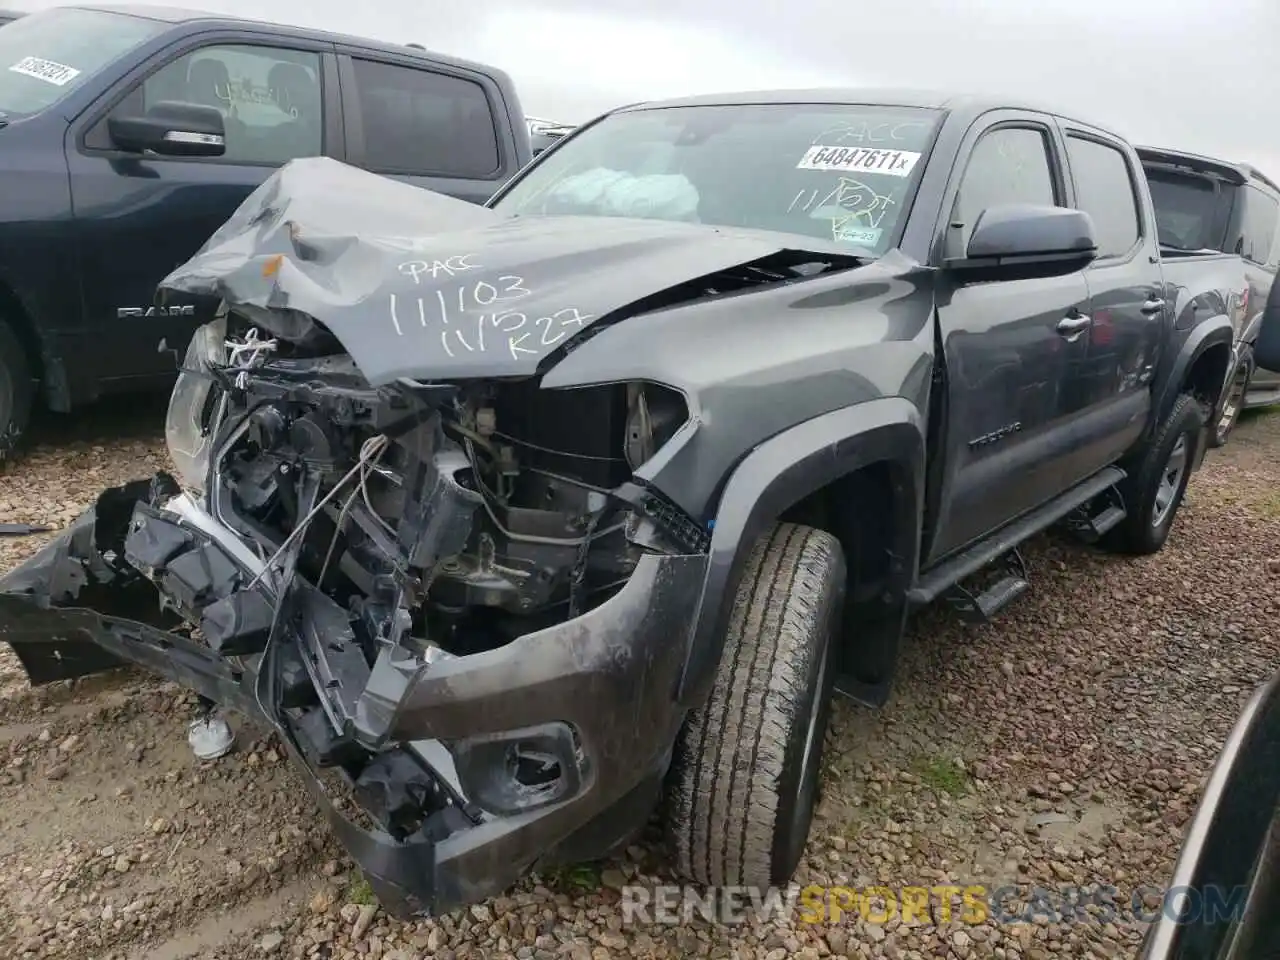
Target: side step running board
1093, 528
982, 607
947, 574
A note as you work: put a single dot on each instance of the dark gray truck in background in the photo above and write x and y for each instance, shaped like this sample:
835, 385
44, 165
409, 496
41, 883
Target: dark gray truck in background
1217, 224
519, 516
129, 134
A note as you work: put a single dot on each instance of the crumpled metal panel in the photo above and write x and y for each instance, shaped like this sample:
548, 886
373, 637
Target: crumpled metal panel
418, 284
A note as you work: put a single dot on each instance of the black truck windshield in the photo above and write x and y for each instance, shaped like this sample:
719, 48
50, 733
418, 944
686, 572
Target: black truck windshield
46, 55
844, 174
1187, 209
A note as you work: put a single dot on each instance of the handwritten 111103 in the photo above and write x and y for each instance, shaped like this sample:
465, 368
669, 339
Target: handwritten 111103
476, 316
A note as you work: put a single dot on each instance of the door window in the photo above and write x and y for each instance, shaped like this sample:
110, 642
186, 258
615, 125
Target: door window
1257, 225
269, 97
425, 123
1105, 191
1009, 165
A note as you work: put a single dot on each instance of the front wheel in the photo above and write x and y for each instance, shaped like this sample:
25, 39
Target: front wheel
1233, 404
746, 772
1157, 480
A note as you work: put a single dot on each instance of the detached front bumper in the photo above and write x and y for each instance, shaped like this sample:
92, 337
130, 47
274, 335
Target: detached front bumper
590, 701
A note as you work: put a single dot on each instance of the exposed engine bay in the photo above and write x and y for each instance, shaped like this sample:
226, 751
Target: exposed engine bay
454, 517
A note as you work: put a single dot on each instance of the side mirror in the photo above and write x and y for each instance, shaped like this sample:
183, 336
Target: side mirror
1224, 899
1029, 239
172, 129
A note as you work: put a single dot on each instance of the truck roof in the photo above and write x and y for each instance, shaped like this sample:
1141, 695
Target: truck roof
1237, 173
965, 104
181, 15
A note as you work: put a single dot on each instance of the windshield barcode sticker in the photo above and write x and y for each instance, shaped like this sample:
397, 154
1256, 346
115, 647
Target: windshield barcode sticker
56, 73
894, 163
862, 236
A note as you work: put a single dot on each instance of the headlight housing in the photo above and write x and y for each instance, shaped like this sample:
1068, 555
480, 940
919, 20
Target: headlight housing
187, 425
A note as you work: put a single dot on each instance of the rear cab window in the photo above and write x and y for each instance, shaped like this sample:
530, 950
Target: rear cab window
845, 174
46, 55
1190, 209
1253, 229
1202, 211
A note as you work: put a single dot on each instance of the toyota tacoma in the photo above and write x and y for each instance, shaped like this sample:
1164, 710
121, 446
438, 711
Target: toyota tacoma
525, 520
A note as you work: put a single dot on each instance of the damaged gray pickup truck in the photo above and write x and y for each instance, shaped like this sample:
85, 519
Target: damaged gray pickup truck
516, 515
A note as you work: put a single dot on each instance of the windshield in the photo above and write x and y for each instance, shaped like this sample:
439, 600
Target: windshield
839, 173
44, 56
1186, 210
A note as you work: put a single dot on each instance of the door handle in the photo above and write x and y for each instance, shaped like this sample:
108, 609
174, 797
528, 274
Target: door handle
1154, 305
1073, 325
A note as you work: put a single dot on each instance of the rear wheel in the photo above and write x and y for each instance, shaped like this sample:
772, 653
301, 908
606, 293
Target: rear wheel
1234, 403
17, 392
747, 770
1157, 480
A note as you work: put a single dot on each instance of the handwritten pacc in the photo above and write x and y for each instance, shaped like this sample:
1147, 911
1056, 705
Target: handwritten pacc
472, 311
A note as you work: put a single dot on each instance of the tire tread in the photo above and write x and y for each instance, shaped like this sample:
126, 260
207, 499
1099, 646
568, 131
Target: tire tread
725, 800
1135, 535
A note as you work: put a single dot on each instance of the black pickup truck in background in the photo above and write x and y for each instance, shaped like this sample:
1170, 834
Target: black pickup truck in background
130, 134
1217, 222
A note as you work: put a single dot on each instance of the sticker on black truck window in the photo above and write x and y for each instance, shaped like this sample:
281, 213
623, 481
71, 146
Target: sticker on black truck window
894, 163
59, 74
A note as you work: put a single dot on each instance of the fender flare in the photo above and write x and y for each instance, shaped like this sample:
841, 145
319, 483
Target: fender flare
781, 472
1210, 333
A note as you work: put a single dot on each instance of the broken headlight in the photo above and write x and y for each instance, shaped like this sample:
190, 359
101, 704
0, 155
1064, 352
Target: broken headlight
186, 428
654, 414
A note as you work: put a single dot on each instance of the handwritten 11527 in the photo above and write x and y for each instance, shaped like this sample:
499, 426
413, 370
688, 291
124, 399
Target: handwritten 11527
476, 316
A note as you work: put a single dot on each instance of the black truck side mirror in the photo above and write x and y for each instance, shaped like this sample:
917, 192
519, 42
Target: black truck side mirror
172, 129
1026, 240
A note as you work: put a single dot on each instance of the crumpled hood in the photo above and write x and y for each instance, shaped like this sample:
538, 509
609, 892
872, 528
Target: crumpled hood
418, 284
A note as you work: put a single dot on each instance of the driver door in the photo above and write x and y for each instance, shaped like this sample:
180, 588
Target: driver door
140, 216
1008, 362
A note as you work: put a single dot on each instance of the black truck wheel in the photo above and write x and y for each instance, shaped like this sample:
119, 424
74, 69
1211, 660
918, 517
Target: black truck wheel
1157, 480
1234, 403
746, 772
17, 392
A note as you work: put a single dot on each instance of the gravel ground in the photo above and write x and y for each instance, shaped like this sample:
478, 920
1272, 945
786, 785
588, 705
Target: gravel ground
1065, 745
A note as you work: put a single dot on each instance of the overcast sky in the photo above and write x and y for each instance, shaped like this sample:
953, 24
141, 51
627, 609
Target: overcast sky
1196, 74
